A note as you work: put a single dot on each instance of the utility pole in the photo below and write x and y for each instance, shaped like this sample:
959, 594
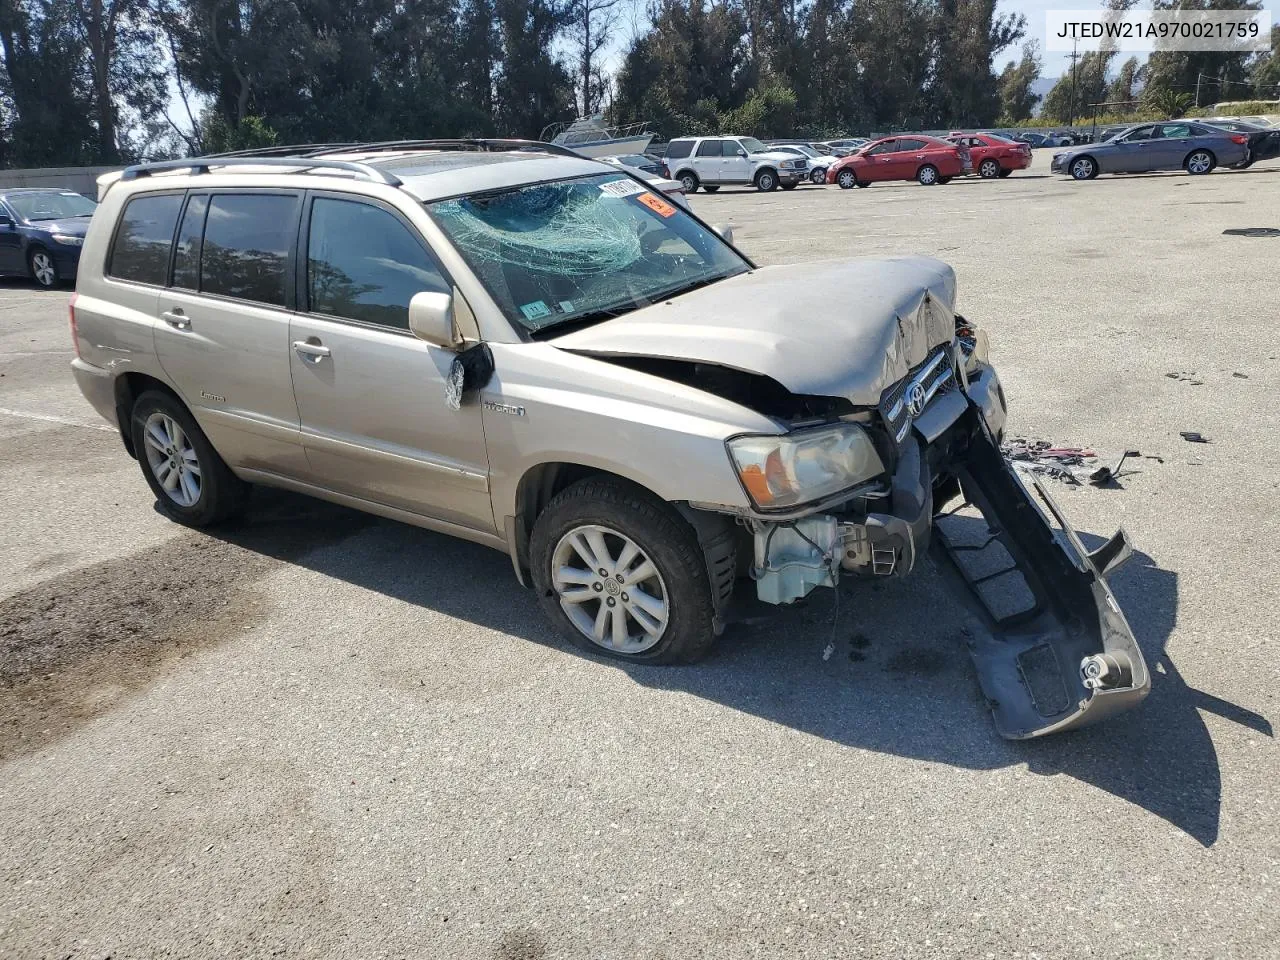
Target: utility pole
1074, 57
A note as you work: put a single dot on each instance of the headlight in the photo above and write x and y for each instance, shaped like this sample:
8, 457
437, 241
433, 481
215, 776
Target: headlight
795, 468
787, 164
70, 241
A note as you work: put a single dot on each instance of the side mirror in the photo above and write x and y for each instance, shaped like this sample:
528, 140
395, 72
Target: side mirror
725, 231
742, 153
6, 220
431, 319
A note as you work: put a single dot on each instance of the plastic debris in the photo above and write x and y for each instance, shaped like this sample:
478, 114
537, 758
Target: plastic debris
1070, 465
1192, 436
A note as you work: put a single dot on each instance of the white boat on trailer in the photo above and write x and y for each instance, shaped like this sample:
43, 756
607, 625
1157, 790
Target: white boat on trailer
591, 137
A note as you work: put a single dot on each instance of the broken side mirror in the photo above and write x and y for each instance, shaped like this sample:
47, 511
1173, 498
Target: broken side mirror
431, 319
725, 231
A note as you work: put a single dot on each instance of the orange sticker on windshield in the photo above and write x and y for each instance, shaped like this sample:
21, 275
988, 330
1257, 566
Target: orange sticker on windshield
656, 204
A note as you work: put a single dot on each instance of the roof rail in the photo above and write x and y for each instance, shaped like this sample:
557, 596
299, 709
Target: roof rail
284, 150
202, 165
461, 143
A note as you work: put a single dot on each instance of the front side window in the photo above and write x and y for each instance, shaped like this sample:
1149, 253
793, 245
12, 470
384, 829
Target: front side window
51, 205
710, 148
246, 246
141, 249
886, 147
1141, 133
583, 250
364, 264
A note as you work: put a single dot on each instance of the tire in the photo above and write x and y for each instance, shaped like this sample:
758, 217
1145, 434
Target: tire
689, 180
42, 268
1005, 173
847, 179
1199, 162
927, 175
788, 186
1242, 165
1083, 168
603, 511
818, 176
158, 420
989, 169
710, 189
766, 181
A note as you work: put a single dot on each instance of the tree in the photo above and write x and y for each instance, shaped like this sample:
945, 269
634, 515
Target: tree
532, 87
591, 25
1213, 74
1122, 90
1169, 103
1265, 71
1017, 99
1079, 89
967, 35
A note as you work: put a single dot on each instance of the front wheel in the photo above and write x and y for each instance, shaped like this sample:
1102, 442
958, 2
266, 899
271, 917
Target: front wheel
989, 169
927, 175
621, 574
192, 484
766, 181
1200, 162
43, 269
1083, 168
818, 176
846, 179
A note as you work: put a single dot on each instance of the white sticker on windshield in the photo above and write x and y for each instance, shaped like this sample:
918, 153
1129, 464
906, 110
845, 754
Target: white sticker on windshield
566, 306
621, 188
536, 310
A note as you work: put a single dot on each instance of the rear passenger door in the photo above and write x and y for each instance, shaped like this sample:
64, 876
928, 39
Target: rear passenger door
223, 330
371, 395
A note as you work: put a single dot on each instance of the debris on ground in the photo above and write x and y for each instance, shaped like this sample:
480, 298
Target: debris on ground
1192, 437
1071, 465
1234, 373
1185, 376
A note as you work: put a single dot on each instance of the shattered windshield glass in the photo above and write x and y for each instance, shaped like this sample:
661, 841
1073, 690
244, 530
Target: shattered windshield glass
577, 251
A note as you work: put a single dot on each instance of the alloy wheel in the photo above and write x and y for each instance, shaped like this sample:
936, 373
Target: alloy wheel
42, 268
172, 459
610, 589
1199, 162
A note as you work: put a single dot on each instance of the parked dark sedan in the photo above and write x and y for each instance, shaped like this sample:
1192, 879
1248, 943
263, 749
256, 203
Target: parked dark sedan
1177, 145
637, 161
1264, 142
41, 232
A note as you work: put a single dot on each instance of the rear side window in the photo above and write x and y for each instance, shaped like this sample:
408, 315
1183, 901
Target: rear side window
677, 149
247, 237
141, 250
364, 264
904, 145
710, 148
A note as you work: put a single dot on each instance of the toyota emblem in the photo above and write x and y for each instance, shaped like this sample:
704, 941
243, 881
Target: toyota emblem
916, 400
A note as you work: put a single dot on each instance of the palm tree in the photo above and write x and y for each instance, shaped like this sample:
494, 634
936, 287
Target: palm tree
1169, 103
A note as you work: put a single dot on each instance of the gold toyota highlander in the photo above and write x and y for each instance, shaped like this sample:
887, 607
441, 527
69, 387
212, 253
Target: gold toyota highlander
510, 343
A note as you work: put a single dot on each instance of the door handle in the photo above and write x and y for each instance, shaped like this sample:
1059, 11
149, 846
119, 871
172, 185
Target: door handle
312, 351
176, 319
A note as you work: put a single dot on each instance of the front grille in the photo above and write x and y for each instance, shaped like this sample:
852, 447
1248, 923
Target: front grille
936, 375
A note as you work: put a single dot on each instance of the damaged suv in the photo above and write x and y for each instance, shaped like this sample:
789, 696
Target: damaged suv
536, 352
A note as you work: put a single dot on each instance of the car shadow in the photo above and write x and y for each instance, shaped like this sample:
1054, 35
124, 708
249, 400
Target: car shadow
877, 665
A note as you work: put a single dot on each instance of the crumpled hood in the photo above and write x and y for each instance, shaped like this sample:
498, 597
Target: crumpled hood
843, 328
67, 226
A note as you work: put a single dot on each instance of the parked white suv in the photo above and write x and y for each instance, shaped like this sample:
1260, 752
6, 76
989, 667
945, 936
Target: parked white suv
712, 162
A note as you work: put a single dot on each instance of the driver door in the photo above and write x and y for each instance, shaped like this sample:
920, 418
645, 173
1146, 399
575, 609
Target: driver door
371, 395
737, 168
1133, 153
880, 161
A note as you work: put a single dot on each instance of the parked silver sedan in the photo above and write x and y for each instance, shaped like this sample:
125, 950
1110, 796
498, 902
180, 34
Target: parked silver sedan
1178, 145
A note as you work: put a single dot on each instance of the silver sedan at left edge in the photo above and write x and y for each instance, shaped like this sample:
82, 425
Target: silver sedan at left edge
1178, 145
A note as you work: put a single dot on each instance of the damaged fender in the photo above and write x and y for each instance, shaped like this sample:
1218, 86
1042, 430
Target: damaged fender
1067, 658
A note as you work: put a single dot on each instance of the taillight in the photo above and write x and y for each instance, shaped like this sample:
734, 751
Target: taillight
666, 171
1240, 138
75, 333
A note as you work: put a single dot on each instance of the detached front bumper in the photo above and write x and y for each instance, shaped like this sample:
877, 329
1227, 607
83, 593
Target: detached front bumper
1053, 651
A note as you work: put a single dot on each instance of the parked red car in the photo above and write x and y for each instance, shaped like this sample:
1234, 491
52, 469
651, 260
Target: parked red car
928, 160
994, 156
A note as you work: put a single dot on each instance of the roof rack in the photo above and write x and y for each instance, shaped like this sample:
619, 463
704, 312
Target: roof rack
286, 150
459, 143
202, 165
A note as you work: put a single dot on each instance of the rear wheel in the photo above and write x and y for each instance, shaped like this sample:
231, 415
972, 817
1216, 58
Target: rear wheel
819, 175
1199, 162
43, 269
847, 180
927, 175
621, 574
689, 181
989, 169
192, 484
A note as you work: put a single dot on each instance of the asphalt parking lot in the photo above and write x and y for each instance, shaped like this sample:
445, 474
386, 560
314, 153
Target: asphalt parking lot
321, 734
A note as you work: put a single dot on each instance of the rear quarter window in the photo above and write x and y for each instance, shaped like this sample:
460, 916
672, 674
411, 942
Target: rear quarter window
140, 252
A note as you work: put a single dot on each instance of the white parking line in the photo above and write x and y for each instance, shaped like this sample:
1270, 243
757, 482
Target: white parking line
53, 418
